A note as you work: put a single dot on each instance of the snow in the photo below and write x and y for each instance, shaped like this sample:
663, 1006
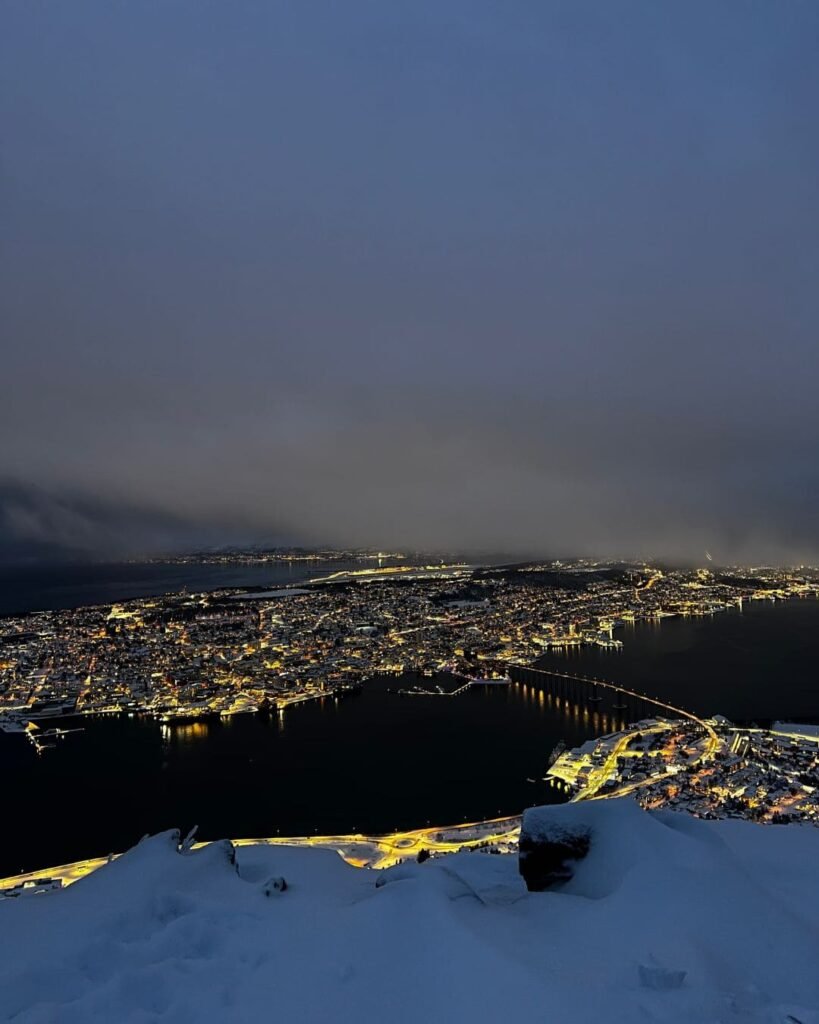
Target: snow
800, 729
667, 918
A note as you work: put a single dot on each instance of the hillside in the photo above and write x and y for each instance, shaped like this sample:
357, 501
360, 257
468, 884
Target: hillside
212, 936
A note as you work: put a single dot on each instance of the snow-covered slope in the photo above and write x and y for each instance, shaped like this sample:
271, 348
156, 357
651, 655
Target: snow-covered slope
184, 937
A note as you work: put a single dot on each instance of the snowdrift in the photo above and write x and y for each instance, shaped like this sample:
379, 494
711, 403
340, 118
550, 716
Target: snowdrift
665, 918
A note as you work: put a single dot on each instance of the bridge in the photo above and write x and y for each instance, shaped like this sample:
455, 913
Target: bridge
583, 689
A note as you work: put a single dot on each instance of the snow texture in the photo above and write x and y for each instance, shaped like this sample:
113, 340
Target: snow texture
667, 918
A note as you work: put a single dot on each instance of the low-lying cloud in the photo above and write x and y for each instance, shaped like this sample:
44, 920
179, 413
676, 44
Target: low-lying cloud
537, 281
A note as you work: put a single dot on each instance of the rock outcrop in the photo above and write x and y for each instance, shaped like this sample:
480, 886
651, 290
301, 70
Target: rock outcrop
549, 847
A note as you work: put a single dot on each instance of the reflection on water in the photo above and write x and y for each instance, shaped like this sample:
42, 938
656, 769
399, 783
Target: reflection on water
590, 721
189, 732
183, 732
374, 762
754, 663
378, 762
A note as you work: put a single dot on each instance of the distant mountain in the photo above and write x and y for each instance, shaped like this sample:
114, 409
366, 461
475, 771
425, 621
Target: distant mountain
39, 525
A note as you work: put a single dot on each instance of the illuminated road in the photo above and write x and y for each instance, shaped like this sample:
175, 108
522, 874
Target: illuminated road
407, 572
359, 850
383, 851
606, 770
601, 774
713, 739
650, 582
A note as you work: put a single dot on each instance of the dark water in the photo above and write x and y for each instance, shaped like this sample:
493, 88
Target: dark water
33, 588
371, 762
378, 761
759, 663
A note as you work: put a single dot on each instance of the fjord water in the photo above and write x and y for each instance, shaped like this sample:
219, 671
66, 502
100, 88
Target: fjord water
758, 663
30, 588
370, 762
378, 761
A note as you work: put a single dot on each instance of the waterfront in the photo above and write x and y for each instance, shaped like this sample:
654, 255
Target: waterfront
35, 587
378, 762
373, 762
758, 663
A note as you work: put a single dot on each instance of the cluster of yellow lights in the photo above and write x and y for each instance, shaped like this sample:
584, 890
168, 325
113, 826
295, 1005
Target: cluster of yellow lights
358, 850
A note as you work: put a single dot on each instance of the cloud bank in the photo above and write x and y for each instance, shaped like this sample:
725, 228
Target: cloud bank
539, 280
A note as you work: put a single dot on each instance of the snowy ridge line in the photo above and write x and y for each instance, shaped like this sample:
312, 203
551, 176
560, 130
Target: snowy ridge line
379, 851
659, 918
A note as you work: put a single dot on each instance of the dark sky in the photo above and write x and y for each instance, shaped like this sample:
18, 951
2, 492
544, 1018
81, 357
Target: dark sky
537, 277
